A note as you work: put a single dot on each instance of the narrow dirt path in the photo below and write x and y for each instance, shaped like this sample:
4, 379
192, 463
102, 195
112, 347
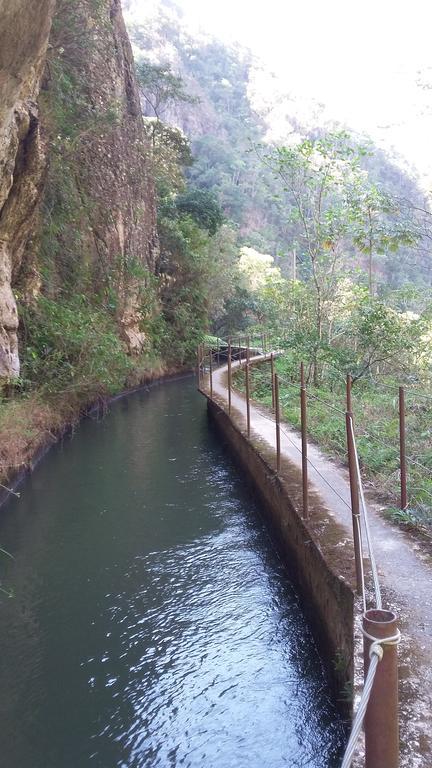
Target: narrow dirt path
404, 568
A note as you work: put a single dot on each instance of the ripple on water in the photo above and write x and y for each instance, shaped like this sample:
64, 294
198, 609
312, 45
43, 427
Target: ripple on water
163, 632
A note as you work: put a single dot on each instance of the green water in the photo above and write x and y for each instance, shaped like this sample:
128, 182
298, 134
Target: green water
152, 622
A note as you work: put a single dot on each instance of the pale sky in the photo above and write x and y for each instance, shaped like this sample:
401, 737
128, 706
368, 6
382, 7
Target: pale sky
361, 59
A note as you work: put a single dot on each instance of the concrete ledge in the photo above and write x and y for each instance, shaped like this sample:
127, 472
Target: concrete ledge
327, 595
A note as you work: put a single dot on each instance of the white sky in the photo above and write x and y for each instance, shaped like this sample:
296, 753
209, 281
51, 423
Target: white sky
360, 58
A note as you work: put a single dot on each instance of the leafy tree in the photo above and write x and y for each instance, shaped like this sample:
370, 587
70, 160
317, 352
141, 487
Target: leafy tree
379, 224
160, 88
315, 177
382, 336
203, 207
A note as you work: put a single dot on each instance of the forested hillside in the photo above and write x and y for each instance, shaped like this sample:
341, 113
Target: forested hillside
228, 124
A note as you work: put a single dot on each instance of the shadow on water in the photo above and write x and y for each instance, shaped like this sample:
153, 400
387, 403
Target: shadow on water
153, 624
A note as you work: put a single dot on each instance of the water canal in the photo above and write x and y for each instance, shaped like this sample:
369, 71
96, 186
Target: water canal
152, 623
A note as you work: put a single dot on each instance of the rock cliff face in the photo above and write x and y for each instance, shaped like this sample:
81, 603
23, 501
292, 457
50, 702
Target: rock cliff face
77, 209
24, 32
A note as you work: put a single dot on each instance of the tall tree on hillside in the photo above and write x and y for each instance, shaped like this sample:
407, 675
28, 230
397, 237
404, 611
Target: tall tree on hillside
379, 224
316, 176
335, 211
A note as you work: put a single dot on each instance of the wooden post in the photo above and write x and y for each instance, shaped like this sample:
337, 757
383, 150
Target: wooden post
303, 412
229, 377
354, 491
277, 420
247, 398
402, 450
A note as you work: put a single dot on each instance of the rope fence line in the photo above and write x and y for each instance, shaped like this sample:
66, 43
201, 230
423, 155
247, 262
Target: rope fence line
310, 462
381, 641
405, 461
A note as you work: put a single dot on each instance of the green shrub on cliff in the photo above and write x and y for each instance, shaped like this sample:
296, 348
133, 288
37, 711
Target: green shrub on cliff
69, 345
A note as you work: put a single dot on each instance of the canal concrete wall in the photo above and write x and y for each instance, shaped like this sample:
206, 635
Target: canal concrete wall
310, 551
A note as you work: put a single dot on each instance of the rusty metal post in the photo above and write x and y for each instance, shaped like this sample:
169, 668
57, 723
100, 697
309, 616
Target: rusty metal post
201, 369
229, 377
247, 350
354, 490
348, 393
402, 450
272, 379
239, 351
198, 366
303, 414
381, 724
247, 382
211, 372
277, 419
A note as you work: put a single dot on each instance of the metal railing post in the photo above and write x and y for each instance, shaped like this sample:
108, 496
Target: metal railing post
247, 398
247, 350
229, 377
211, 372
381, 724
402, 450
303, 413
354, 490
198, 367
277, 419
272, 379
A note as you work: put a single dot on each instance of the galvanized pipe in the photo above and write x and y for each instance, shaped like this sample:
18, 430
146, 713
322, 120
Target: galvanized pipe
402, 450
381, 724
354, 490
303, 414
